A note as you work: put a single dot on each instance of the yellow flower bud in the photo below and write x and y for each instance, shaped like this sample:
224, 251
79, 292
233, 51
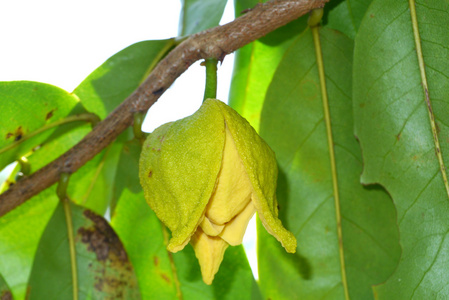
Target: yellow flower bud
205, 176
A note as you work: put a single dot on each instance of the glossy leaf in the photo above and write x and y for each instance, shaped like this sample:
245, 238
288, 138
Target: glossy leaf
198, 15
103, 268
92, 185
393, 125
61, 141
347, 16
27, 106
20, 232
293, 125
111, 83
255, 64
143, 237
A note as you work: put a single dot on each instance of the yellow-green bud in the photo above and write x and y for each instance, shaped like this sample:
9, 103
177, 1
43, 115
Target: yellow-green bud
205, 176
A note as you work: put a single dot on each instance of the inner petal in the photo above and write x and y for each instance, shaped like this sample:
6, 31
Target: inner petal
210, 228
233, 191
234, 230
209, 251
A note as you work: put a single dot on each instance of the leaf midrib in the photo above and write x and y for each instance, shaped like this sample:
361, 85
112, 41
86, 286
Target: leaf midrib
326, 112
422, 69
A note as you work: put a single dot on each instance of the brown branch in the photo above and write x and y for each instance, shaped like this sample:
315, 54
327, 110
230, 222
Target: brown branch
213, 43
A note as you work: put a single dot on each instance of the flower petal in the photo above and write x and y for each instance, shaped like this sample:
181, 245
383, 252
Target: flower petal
179, 165
260, 164
210, 228
233, 190
235, 229
209, 251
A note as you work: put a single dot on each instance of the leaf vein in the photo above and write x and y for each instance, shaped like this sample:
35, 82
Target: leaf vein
417, 197
430, 266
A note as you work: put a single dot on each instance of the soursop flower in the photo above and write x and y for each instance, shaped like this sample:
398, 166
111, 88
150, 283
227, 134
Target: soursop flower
205, 176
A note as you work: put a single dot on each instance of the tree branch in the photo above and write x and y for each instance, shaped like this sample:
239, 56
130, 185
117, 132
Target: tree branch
213, 43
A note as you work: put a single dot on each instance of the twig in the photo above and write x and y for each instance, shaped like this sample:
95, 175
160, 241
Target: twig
213, 43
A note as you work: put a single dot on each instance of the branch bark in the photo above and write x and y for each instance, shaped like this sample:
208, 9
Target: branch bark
213, 43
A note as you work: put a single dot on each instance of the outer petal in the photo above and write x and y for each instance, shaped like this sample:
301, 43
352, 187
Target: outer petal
179, 165
260, 163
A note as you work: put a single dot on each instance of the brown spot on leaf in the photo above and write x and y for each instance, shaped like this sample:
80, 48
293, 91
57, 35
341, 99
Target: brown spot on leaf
371, 16
150, 173
165, 277
112, 271
49, 114
398, 137
6, 295
101, 239
17, 134
27, 296
156, 260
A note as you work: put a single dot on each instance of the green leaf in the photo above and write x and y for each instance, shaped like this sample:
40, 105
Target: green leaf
111, 83
293, 124
347, 16
393, 125
92, 185
198, 15
5, 292
159, 272
26, 107
101, 92
103, 268
255, 65
20, 232
61, 141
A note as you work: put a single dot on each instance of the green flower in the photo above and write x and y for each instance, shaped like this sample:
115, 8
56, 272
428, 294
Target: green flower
205, 176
